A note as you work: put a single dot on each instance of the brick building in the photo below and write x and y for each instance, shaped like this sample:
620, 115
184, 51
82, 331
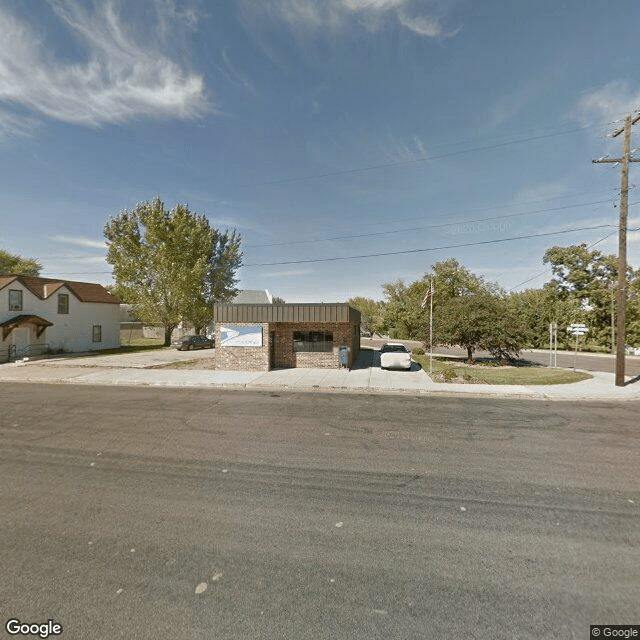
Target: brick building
259, 337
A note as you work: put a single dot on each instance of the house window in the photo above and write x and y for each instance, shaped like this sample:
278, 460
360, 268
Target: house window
97, 333
314, 341
63, 303
15, 300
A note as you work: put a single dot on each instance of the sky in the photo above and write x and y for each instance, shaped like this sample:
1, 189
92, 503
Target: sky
351, 143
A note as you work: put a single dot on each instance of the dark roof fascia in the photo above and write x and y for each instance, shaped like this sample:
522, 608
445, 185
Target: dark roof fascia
291, 312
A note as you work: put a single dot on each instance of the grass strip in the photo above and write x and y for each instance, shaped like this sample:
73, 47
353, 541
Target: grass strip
454, 370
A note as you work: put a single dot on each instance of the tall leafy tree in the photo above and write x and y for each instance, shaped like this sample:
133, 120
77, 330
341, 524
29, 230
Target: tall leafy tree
468, 311
590, 278
472, 313
538, 308
171, 265
482, 320
10, 263
370, 312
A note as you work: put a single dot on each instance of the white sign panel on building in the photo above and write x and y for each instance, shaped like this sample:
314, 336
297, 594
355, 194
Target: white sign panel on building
236, 336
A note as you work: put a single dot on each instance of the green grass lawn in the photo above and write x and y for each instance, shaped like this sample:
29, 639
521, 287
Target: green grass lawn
141, 344
134, 346
454, 370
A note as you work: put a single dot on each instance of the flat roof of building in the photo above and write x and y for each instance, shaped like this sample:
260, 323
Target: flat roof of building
321, 312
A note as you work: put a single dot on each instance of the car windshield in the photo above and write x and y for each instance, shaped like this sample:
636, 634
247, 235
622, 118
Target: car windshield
394, 347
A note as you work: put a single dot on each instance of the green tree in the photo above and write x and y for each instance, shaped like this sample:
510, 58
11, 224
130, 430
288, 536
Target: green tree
278, 300
538, 308
590, 278
467, 311
370, 312
10, 263
171, 265
482, 320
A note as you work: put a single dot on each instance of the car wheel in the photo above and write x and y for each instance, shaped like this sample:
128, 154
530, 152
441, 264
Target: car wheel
190, 347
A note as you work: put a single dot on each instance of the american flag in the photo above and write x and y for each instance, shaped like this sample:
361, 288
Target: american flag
427, 296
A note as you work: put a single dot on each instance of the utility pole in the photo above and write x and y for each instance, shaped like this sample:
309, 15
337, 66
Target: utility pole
621, 302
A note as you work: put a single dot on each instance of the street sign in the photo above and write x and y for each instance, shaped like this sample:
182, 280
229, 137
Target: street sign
577, 329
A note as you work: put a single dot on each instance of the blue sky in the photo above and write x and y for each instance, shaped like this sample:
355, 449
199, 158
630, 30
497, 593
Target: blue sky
321, 130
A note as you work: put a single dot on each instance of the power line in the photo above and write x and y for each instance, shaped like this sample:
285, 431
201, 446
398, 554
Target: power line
490, 208
408, 251
431, 226
593, 244
403, 163
455, 246
381, 233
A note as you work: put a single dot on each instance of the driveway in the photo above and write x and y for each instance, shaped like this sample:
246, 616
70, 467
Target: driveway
139, 360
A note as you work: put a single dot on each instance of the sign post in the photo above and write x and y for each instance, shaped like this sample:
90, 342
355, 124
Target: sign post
553, 344
577, 330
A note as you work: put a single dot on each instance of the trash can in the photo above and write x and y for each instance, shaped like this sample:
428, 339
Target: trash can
343, 356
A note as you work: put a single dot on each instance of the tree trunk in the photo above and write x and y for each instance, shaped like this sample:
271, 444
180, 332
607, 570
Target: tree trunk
168, 330
470, 355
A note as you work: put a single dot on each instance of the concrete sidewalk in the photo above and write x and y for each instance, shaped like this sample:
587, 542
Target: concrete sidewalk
366, 377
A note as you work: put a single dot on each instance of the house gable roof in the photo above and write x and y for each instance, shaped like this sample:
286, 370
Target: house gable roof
44, 288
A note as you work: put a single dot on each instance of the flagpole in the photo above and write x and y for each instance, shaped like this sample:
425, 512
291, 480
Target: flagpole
431, 327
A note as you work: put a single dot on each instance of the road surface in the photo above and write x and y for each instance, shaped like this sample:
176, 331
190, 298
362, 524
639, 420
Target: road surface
146, 513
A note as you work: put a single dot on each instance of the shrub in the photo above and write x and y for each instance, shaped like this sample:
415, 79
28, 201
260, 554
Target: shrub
449, 372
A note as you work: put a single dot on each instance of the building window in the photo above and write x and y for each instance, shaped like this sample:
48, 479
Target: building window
314, 341
97, 333
15, 300
63, 303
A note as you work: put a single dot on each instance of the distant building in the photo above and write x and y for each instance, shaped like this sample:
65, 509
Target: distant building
253, 296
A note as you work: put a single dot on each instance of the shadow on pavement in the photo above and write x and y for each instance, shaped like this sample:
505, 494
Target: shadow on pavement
365, 359
369, 357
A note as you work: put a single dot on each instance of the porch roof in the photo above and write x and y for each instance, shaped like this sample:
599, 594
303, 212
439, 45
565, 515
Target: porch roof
17, 321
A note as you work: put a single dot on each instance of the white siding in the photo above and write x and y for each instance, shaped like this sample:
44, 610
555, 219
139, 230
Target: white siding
70, 332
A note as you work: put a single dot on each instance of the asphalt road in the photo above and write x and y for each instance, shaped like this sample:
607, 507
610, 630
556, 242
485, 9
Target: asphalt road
145, 513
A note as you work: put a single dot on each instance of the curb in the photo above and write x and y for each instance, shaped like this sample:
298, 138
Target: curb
433, 392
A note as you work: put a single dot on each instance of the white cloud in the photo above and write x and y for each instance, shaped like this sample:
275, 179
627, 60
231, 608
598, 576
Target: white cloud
397, 150
539, 193
336, 14
77, 260
122, 75
427, 26
233, 74
609, 103
80, 241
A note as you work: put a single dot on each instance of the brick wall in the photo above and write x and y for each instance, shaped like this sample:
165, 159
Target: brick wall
343, 334
258, 358
243, 358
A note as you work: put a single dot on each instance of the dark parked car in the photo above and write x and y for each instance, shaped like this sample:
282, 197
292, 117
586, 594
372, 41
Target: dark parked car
195, 342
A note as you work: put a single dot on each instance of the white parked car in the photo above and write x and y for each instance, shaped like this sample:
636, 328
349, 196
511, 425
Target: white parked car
394, 355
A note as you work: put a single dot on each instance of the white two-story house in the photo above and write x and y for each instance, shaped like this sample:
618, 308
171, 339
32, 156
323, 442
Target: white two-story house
39, 315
